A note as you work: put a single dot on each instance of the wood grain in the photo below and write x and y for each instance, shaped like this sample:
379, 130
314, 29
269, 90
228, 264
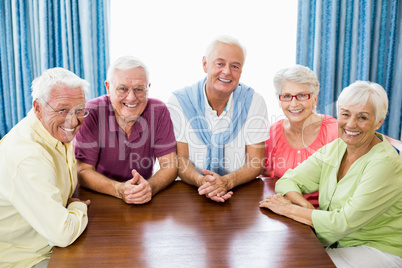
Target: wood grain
180, 228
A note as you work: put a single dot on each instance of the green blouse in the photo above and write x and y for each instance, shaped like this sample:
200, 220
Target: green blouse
364, 208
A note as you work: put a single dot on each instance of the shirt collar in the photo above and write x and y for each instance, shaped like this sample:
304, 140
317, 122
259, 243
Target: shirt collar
41, 130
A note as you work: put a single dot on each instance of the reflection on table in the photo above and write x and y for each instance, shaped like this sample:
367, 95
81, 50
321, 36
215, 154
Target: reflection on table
180, 228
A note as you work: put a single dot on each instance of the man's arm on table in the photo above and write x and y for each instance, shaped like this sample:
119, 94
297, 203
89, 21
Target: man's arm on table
89, 178
166, 174
211, 184
190, 175
250, 170
134, 191
187, 172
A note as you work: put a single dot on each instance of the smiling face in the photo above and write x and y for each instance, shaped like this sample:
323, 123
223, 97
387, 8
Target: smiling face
297, 111
128, 107
62, 128
223, 67
357, 125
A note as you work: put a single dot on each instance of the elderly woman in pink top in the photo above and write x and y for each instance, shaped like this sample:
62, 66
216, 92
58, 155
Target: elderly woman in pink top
293, 139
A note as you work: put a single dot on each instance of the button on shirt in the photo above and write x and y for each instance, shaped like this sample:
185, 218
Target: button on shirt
37, 177
365, 207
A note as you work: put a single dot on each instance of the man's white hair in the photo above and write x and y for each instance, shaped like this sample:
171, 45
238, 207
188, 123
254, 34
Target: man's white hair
43, 85
226, 40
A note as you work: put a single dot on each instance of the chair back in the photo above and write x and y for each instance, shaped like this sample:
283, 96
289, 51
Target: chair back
396, 143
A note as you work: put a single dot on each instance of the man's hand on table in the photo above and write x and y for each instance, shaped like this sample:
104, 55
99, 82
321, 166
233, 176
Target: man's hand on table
136, 190
214, 187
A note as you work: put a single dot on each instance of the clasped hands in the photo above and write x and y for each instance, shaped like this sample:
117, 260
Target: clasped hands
214, 186
136, 190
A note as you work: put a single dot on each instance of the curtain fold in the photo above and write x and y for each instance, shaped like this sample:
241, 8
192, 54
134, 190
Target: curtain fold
42, 34
344, 41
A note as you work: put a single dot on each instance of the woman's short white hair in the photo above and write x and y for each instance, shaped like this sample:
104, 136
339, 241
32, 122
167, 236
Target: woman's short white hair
126, 63
43, 85
297, 74
226, 40
360, 92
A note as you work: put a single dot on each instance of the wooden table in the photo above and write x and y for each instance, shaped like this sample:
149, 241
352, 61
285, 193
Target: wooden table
179, 228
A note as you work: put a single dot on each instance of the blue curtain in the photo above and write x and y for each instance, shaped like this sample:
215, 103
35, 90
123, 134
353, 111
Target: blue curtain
347, 40
40, 34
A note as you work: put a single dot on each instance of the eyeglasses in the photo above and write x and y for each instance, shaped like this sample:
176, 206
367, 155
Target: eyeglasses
123, 92
79, 113
299, 97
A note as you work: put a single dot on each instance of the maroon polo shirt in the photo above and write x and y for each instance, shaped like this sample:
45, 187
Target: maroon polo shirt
100, 141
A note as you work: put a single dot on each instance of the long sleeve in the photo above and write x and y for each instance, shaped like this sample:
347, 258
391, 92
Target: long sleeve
40, 190
364, 207
372, 188
306, 177
37, 178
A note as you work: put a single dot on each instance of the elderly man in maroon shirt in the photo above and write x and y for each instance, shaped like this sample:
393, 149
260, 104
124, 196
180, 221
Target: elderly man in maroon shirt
121, 138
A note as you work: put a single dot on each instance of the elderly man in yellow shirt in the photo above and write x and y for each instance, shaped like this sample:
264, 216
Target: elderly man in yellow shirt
38, 173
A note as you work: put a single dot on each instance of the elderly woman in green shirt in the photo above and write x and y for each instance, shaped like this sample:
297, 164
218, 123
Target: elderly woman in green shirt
359, 177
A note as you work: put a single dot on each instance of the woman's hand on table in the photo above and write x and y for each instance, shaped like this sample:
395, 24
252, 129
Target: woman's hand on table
277, 203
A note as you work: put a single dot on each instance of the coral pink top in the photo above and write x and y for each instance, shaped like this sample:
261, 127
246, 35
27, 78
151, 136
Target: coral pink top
280, 156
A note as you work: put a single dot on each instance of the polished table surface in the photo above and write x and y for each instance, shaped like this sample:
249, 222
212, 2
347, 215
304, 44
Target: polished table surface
180, 228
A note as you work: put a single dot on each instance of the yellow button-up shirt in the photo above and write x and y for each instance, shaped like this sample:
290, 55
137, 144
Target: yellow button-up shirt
37, 177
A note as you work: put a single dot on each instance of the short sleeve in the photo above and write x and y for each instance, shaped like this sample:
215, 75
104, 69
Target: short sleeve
165, 142
179, 119
256, 127
86, 141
